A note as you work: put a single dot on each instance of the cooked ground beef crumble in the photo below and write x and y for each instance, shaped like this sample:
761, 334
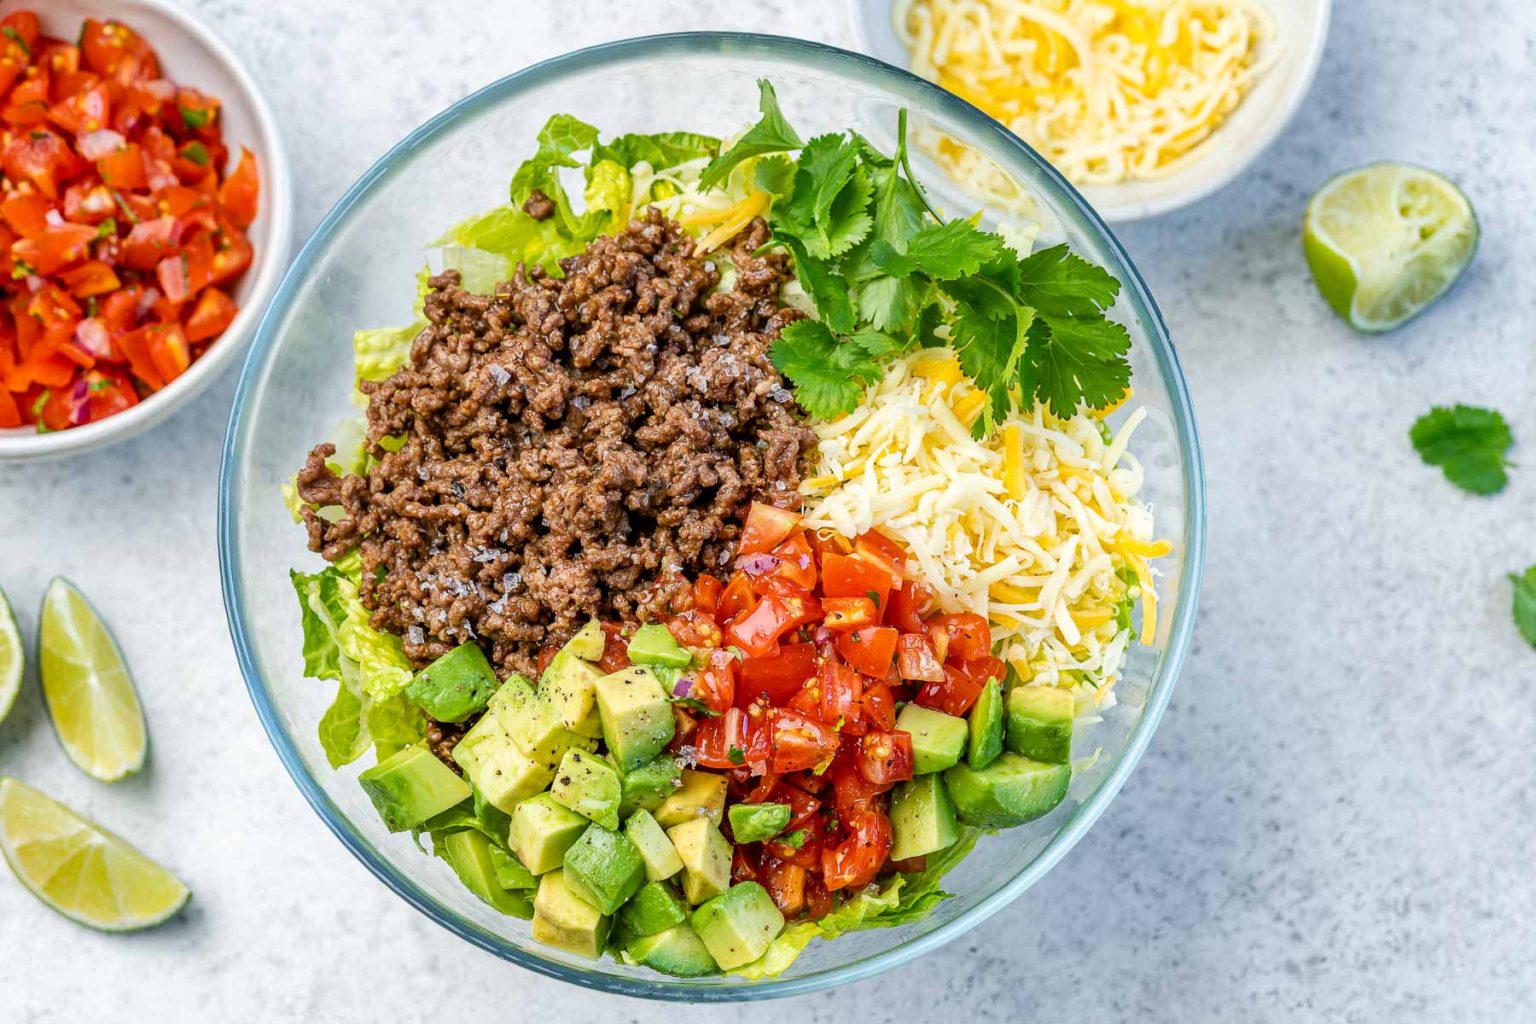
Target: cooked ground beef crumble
572, 446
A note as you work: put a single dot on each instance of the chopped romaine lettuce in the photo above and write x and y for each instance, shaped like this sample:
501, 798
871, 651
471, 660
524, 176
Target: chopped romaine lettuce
380, 351
661, 151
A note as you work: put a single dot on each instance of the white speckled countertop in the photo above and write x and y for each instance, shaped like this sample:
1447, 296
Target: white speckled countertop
1336, 819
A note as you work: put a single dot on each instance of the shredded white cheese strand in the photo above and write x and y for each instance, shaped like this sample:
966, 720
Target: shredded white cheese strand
1107, 90
1037, 528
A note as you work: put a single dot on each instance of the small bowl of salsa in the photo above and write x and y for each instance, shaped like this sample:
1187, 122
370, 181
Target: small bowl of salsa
144, 218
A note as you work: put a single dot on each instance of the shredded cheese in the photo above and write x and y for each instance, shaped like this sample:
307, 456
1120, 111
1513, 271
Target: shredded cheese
1106, 90
1037, 528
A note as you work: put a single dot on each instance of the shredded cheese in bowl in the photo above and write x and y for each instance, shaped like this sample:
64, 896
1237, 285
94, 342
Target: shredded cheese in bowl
1106, 90
1037, 528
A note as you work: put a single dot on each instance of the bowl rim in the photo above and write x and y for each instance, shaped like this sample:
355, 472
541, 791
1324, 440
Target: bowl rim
21, 445
1197, 186
833, 60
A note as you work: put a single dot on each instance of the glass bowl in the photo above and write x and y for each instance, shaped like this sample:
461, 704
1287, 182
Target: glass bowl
358, 270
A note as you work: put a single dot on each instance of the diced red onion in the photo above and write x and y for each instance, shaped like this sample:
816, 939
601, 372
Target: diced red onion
92, 335
95, 145
683, 687
160, 88
823, 635
80, 404
53, 218
147, 301
758, 565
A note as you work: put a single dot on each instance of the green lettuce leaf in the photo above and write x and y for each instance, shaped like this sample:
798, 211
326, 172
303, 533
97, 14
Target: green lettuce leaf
380, 351
662, 151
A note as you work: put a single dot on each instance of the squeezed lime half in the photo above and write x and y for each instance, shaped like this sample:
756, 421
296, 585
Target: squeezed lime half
1385, 241
91, 698
79, 868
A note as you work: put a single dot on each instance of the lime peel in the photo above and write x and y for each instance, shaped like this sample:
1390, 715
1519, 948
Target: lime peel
13, 657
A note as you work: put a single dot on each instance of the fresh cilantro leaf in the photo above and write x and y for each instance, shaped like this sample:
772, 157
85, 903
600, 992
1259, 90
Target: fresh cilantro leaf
1525, 604
888, 302
776, 175
874, 597
1056, 282
829, 375
989, 349
771, 134
826, 287
943, 252
848, 222
195, 118
661, 151
795, 839
736, 755
16, 37
695, 705
825, 168
992, 290
1467, 443
1073, 360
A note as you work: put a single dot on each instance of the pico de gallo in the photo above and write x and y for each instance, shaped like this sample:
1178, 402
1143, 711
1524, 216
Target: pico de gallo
123, 219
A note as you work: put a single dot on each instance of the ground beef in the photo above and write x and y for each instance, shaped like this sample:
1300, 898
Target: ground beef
572, 446
539, 206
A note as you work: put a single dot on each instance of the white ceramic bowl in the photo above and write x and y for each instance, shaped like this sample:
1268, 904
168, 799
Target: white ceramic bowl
191, 55
1302, 31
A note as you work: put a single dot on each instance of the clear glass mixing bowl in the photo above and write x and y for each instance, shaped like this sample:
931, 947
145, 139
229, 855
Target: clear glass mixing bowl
358, 270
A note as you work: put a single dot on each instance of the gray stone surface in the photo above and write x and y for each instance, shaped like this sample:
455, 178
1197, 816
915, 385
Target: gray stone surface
1335, 821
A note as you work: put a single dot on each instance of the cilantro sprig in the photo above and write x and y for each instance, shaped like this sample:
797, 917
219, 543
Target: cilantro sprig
888, 274
1467, 443
1524, 606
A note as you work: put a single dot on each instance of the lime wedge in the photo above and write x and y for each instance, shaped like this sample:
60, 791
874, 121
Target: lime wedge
80, 869
90, 695
12, 657
1385, 241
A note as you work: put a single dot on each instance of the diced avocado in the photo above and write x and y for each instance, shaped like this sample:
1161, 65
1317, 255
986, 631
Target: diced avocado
1009, 791
589, 641
538, 732
469, 853
542, 830
678, 951
661, 860
454, 686
636, 715
1040, 723
751, 823
589, 786
706, 857
655, 908
564, 920
702, 796
938, 740
510, 873
922, 817
648, 786
604, 868
495, 766
569, 685
986, 726
410, 786
738, 925
653, 644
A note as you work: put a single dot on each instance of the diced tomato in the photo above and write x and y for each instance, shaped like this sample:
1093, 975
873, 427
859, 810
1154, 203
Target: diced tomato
806, 700
847, 613
969, 635
714, 686
797, 562
909, 603
232, 255
757, 631
119, 311
55, 247
799, 742
916, 659
982, 669
818, 901
785, 883
151, 241
240, 191
953, 696
847, 576
615, 648
733, 740
104, 45
870, 650
97, 278
841, 691
737, 597
26, 211
690, 628
195, 112
765, 528
778, 677
857, 859
89, 204
744, 866
874, 546
25, 25
110, 393
852, 793
885, 757
706, 594
879, 705
41, 156
168, 349
88, 110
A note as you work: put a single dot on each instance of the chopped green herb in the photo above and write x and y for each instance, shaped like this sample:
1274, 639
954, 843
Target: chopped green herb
90, 306
1467, 443
874, 596
196, 153
193, 118
736, 755
15, 37
795, 839
1525, 604
122, 204
107, 228
37, 410
695, 705
99, 384
771, 134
